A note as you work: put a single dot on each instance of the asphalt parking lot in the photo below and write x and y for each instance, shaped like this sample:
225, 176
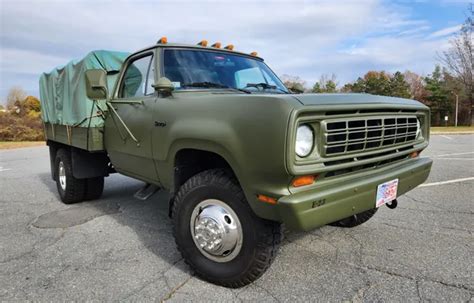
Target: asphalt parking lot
121, 248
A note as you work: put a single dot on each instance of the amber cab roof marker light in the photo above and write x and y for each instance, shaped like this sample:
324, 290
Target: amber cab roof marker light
229, 47
216, 45
303, 180
203, 43
163, 40
254, 54
267, 199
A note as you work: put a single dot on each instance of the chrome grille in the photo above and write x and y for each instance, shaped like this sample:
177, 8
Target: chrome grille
356, 135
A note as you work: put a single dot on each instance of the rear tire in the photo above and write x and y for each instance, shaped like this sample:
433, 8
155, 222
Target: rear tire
94, 188
355, 220
252, 247
70, 189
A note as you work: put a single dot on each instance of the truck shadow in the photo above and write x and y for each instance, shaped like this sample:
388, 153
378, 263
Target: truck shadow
147, 219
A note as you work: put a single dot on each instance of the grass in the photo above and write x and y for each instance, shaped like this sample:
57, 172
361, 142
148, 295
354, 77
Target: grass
17, 144
452, 129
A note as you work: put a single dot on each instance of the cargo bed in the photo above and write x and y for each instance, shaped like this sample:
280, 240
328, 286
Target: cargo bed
87, 138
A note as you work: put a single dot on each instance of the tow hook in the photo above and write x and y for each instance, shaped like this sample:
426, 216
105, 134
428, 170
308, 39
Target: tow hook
393, 204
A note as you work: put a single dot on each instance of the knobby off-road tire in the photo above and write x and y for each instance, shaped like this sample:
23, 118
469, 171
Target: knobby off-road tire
355, 220
260, 238
70, 189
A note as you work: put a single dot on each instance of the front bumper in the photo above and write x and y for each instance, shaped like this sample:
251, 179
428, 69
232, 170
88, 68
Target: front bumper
332, 202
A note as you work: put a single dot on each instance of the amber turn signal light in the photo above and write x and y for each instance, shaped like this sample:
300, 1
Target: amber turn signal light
229, 47
303, 180
253, 54
203, 43
163, 40
267, 199
414, 154
217, 45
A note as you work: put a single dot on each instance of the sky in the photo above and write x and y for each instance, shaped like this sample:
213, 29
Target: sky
300, 38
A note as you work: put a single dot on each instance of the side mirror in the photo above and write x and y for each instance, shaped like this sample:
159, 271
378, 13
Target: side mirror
96, 84
164, 85
296, 88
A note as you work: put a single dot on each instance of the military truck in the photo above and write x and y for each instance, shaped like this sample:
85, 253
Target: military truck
238, 152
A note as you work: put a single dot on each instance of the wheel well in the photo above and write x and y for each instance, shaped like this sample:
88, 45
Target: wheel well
85, 164
189, 162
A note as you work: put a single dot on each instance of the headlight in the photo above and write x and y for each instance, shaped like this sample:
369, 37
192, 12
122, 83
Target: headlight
304, 140
418, 128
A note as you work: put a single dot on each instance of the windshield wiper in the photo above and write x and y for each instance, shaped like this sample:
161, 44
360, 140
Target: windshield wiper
265, 86
214, 85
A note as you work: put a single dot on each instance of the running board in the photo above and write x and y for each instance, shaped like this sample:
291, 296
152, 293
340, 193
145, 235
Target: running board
146, 191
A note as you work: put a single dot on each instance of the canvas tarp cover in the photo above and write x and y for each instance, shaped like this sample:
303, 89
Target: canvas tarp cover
63, 90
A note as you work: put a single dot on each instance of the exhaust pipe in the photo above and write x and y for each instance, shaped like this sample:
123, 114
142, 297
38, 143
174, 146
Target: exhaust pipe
393, 204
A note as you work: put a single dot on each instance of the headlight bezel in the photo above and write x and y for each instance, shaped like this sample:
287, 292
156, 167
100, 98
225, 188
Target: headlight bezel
311, 144
418, 129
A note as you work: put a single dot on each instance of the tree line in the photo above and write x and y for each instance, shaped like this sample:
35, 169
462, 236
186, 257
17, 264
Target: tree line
21, 119
451, 80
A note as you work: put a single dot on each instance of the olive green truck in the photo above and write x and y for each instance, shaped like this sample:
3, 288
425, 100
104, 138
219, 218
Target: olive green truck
238, 152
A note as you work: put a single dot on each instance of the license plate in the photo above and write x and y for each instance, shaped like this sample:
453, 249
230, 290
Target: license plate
386, 192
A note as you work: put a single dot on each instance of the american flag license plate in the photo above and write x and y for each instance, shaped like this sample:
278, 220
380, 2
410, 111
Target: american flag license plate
386, 192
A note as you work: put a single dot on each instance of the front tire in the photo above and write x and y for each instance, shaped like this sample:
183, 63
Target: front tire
217, 232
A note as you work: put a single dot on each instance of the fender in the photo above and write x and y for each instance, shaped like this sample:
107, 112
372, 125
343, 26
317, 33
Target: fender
166, 167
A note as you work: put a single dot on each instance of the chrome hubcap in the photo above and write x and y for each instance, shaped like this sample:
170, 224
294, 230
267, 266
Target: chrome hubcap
216, 230
62, 176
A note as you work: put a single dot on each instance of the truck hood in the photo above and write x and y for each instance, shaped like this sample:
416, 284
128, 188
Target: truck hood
352, 99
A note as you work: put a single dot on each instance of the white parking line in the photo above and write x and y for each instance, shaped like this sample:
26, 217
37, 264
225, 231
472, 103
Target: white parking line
455, 154
466, 159
447, 182
446, 137
4, 169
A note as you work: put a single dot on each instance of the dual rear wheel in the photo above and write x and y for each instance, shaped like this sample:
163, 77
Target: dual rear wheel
71, 189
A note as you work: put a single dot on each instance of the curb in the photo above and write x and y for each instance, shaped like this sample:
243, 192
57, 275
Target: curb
452, 133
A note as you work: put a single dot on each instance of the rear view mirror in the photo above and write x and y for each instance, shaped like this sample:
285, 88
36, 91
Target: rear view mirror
96, 84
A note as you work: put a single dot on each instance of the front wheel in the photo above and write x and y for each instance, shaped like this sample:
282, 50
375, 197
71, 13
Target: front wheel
217, 232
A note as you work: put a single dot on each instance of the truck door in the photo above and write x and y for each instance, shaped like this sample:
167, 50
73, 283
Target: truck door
128, 142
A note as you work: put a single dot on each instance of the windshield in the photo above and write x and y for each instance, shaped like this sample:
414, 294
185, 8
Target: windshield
209, 69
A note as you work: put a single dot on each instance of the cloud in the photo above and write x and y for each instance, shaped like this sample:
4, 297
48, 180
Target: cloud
305, 38
445, 31
13, 61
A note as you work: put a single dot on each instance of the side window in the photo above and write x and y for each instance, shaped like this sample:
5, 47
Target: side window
138, 78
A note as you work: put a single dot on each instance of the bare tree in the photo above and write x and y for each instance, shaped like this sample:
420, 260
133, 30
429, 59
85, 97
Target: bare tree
459, 59
15, 96
293, 83
417, 85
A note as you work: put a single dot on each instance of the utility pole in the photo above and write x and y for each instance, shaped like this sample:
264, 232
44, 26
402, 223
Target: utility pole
456, 116
457, 106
